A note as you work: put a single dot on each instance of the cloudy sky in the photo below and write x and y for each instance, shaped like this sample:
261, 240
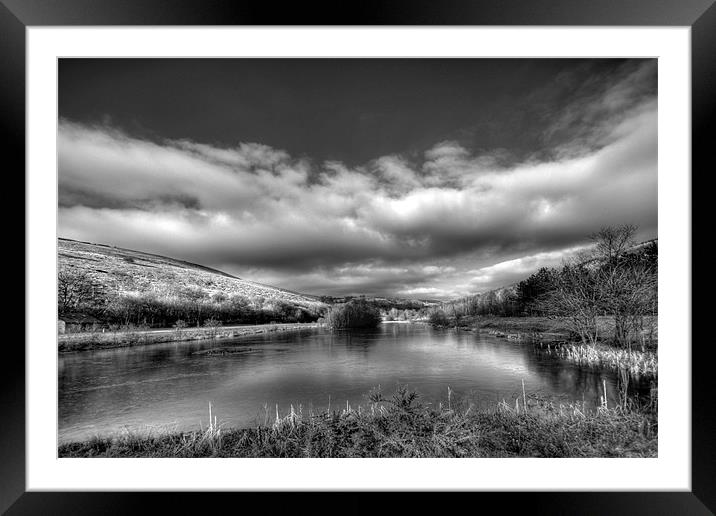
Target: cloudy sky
426, 178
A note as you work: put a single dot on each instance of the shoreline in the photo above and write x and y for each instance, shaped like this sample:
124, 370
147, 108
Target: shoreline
552, 336
91, 341
403, 426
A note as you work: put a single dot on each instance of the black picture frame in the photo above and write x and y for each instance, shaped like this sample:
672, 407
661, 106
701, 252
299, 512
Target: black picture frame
699, 15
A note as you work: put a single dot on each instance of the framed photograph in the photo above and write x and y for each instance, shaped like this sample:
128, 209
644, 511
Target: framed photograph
417, 248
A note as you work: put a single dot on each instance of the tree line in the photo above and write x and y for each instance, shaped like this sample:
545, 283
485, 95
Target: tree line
612, 278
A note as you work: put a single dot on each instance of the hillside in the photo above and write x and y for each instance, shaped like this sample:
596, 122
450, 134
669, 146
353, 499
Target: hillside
118, 275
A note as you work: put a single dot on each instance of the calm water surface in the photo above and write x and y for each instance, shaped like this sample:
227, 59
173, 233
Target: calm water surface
169, 386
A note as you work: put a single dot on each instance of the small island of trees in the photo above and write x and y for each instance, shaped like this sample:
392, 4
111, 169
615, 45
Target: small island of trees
357, 313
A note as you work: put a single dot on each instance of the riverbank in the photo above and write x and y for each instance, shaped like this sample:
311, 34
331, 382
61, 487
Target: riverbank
523, 328
548, 328
402, 426
553, 336
117, 339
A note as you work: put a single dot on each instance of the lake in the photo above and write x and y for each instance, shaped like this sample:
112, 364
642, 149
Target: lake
169, 386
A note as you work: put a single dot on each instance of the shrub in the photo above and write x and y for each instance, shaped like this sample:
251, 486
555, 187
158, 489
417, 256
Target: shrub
354, 314
439, 318
212, 326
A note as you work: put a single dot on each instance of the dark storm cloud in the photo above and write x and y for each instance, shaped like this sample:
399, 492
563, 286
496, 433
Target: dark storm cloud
596, 104
69, 197
449, 220
570, 113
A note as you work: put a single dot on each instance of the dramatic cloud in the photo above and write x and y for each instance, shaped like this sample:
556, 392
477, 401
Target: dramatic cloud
450, 222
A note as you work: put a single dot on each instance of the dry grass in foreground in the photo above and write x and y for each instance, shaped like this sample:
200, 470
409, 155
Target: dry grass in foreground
402, 426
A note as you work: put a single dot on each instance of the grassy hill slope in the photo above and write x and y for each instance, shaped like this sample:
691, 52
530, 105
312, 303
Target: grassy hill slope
122, 275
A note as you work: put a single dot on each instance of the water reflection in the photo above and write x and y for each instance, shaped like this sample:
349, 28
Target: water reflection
170, 385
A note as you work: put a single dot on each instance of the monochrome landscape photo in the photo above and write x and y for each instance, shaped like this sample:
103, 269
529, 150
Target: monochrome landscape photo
357, 257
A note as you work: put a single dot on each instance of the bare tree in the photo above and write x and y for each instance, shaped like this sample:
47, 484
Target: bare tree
576, 295
607, 280
212, 325
630, 292
75, 288
612, 242
628, 286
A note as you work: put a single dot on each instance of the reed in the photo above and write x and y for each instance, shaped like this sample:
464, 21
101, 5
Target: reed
402, 425
636, 362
